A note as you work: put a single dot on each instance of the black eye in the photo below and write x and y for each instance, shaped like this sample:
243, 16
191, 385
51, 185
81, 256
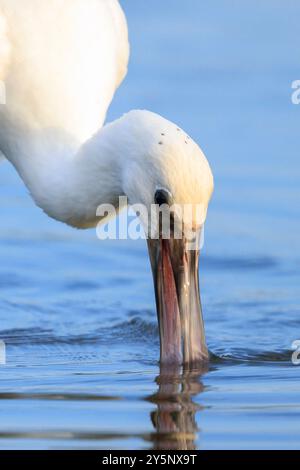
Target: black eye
162, 197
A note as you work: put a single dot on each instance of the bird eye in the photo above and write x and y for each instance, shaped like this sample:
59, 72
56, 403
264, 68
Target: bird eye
162, 196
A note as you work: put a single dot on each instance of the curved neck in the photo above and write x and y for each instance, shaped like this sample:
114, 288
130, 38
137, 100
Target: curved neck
67, 181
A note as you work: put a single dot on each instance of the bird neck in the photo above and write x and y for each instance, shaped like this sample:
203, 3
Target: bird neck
69, 181
66, 180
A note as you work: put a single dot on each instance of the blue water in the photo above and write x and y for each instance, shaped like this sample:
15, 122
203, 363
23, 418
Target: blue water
78, 315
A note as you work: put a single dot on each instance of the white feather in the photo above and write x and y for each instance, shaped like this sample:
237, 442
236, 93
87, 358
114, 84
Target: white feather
67, 57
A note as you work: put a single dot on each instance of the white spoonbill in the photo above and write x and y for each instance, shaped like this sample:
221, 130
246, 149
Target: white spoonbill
61, 62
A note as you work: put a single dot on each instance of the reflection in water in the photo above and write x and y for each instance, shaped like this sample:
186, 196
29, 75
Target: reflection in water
175, 416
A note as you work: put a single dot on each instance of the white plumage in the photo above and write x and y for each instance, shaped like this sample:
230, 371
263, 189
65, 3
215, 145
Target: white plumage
61, 61
67, 57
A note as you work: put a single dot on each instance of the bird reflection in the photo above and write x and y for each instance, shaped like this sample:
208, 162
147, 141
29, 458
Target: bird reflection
175, 417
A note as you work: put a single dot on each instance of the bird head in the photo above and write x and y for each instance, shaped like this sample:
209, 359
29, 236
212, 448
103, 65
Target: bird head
169, 176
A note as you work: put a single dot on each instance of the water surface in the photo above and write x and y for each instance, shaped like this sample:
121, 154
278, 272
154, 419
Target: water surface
78, 315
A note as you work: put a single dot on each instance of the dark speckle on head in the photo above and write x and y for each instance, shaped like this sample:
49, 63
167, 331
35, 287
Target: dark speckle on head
163, 134
179, 130
160, 143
